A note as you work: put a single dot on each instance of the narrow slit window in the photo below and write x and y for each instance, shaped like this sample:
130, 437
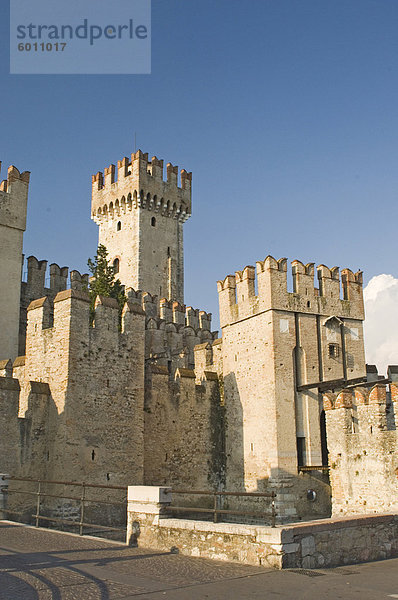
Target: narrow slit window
301, 451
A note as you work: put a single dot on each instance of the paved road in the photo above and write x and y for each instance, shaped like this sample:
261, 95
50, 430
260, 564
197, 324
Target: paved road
45, 565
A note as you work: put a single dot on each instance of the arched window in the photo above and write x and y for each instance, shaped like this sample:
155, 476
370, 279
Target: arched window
116, 265
153, 222
119, 225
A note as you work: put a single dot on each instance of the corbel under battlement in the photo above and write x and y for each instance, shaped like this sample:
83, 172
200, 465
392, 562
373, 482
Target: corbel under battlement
139, 183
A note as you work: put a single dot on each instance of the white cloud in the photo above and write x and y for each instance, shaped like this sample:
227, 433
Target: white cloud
381, 323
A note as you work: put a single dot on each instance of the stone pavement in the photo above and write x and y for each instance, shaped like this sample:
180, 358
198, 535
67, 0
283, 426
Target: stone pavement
37, 564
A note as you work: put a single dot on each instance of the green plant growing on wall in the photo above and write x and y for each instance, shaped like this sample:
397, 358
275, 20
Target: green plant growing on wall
102, 281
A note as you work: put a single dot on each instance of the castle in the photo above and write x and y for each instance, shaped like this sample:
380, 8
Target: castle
164, 399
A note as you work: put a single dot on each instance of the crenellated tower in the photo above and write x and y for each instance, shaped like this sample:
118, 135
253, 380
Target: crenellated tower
280, 351
13, 204
140, 217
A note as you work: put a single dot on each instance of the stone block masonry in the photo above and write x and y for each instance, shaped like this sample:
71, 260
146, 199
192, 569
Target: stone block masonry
363, 448
184, 430
316, 544
85, 404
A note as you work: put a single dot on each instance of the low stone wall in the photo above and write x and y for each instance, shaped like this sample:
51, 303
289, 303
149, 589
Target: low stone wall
315, 544
339, 541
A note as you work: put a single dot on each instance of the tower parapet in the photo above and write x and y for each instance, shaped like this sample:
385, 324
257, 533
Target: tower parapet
140, 183
238, 298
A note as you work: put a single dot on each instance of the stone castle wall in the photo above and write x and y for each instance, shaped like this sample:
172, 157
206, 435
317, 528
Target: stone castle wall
96, 382
323, 543
80, 406
184, 423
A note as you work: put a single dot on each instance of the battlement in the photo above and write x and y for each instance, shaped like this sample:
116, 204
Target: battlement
238, 298
174, 312
68, 317
173, 330
139, 183
165, 338
57, 277
208, 359
13, 198
14, 175
364, 409
41, 282
187, 378
165, 311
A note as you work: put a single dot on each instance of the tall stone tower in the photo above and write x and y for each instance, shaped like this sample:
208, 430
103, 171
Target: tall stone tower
13, 205
140, 218
280, 352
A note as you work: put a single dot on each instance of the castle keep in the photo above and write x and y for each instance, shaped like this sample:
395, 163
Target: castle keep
164, 399
140, 218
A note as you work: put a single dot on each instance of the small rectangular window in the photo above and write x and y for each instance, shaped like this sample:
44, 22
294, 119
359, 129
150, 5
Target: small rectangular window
334, 351
284, 326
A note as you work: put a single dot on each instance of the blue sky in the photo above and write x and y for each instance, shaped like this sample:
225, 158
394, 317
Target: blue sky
285, 111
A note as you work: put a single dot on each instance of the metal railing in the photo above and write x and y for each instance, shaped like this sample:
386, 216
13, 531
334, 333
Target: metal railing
309, 468
216, 510
81, 499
